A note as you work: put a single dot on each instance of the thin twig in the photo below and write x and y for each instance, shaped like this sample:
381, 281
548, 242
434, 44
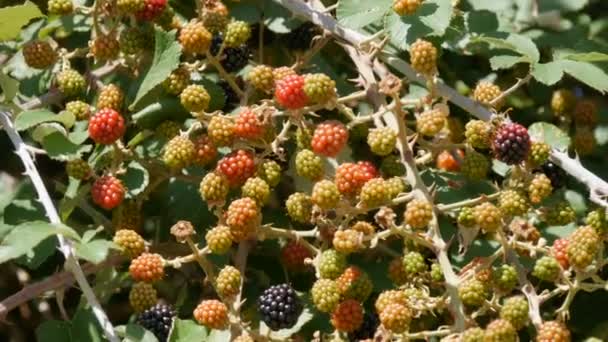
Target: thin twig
511, 90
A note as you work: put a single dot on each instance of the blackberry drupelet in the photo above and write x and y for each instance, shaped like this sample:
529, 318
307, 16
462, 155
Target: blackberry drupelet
279, 306
301, 37
511, 143
158, 319
231, 99
232, 58
555, 174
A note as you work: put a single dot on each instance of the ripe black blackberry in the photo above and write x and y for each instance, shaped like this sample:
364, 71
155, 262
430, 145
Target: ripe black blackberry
279, 306
232, 59
158, 319
231, 99
511, 143
301, 37
367, 328
555, 174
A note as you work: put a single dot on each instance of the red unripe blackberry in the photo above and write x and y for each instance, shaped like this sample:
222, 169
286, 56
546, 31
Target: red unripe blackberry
131, 243
110, 96
396, 317
423, 57
158, 319
500, 330
348, 316
39, 54
583, 245
151, 10
289, 92
205, 150
293, 256
243, 217
319, 88
329, 138
228, 281
212, 313
279, 307
511, 143
221, 130
105, 47
248, 125
418, 213
553, 331
347, 241
106, 126
219, 239
325, 295
347, 179
486, 92
142, 296
299, 207
108, 192
585, 113
405, 7
325, 194
559, 251
147, 267
78, 169
237, 167
195, 38
447, 162
355, 284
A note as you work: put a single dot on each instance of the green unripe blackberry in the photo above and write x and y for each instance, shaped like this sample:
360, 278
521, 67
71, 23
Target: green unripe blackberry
214, 187
478, 134
597, 220
475, 165
540, 188
325, 194
466, 217
374, 193
142, 296
78, 169
418, 213
319, 88
515, 310
395, 186
559, 214
168, 129
237, 33
331, 264
221, 130
299, 207
257, 189
413, 264
325, 295
513, 203
309, 165
270, 171
488, 217
355, 284
436, 273
539, 153
177, 81
347, 241
504, 278
219, 239
473, 335
261, 78
584, 243
195, 98
303, 137
179, 153
130, 243
546, 268
431, 122
80, 109
392, 166
500, 330
130, 6
132, 41
70, 83
472, 292
382, 141
60, 7
228, 281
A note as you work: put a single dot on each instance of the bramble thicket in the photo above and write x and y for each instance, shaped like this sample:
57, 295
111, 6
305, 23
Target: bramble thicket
291, 170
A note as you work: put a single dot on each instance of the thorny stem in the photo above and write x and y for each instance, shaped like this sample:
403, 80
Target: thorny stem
511, 90
473, 201
201, 260
65, 245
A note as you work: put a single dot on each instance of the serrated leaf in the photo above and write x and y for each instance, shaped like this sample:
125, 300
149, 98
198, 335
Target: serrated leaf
44, 129
356, 14
135, 333
187, 330
15, 17
59, 147
9, 86
24, 237
505, 62
587, 73
548, 73
54, 331
32, 118
433, 17
136, 179
514, 42
94, 251
550, 135
167, 52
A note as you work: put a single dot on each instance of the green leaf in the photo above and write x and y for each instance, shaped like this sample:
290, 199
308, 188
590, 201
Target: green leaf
15, 17
433, 17
245, 11
505, 62
218, 336
356, 14
54, 331
561, 5
59, 147
9, 86
47, 128
481, 21
550, 135
514, 42
94, 251
587, 73
24, 237
577, 201
85, 327
135, 333
136, 179
278, 19
32, 118
187, 330
163, 109
218, 98
284, 334
548, 73
166, 58
588, 57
